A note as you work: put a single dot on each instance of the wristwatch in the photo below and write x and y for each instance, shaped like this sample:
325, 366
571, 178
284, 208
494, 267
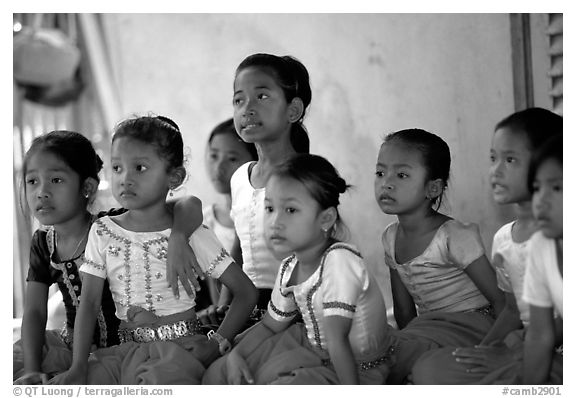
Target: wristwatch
223, 344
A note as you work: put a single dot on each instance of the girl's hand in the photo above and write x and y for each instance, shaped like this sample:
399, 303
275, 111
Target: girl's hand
237, 369
73, 376
213, 315
32, 378
483, 358
181, 265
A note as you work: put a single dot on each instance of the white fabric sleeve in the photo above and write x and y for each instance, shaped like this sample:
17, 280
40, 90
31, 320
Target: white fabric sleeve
345, 279
94, 256
535, 290
464, 244
211, 255
282, 308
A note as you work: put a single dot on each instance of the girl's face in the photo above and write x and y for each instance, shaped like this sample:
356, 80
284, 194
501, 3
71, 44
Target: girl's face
509, 160
547, 198
140, 177
401, 180
225, 154
53, 191
260, 107
292, 218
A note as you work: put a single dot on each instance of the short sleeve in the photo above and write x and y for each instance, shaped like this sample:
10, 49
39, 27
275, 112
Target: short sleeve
464, 243
39, 270
345, 279
535, 290
94, 260
211, 255
282, 308
388, 238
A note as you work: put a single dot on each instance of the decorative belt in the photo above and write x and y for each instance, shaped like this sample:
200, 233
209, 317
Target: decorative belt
369, 364
66, 335
487, 310
162, 332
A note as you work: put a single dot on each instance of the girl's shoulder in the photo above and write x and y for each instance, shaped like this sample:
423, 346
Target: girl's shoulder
342, 250
389, 234
504, 234
452, 227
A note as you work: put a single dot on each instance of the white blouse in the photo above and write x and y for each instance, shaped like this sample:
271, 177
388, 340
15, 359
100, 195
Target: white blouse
343, 286
135, 265
226, 235
259, 263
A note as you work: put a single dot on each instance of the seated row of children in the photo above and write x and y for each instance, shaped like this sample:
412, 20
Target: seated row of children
299, 305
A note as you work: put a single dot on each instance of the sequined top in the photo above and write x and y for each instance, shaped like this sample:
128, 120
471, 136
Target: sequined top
509, 261
135, 265
543, 284
436, 278
341, 286
45, 269
247, 212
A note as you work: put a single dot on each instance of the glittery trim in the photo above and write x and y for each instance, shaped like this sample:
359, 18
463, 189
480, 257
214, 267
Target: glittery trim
95, 264
223, 255
282, 313
283, 268
338, 304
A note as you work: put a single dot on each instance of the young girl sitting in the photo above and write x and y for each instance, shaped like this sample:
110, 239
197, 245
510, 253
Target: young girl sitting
224, 154
544, 274
515, 140
271, 94
344, 337
60, 176
161, 342
443, 286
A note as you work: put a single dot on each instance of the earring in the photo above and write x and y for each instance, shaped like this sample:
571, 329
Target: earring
86, 194
171, 192
325, 230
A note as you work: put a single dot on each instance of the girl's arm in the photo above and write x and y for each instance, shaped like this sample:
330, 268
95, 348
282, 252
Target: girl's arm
484, 277
337, 330
507, 321
181, 263
539, 346
404, 307
244, 298
225, 294
83, 330
33, 329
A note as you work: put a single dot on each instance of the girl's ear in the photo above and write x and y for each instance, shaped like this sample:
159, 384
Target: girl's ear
176, 178
89, 188
435, 188
328, 218
295, 110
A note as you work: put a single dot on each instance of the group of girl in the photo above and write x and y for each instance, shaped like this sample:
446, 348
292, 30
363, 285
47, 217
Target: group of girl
287, 300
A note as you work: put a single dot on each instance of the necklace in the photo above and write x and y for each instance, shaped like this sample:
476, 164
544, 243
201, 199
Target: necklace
83, 237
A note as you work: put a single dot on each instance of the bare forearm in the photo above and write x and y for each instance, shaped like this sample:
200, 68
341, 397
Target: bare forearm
238, 313
537, 362
506, 322
83, 332
33, 331
343, 360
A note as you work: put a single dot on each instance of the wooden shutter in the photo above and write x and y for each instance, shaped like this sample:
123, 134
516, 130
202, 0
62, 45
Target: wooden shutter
555, 33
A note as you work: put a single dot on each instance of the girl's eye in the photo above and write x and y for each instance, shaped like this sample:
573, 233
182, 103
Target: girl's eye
236, 101
290, 210
402, 175
379, 173
557, 188
141, 167
510, 160
262, 96
232, 159
31, 181
116, 169
56, 180
492, 158
535, 188
268, 209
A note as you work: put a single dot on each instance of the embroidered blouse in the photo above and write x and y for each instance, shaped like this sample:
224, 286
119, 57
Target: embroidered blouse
135, 265
342, 286
436, 278
247, 212
509, 261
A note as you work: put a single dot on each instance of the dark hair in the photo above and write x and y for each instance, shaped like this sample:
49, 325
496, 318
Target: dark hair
227, 127
536, 124
318, 175
159, 131
72, 148
292, 76
551, 149
434, 150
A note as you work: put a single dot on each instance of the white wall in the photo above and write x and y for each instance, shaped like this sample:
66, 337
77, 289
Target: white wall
371, 74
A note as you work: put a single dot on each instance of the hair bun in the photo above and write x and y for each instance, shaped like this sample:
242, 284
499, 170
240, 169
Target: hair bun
341, 185
169, 121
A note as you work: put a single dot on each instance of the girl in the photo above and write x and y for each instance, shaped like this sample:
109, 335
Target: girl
544, 274
271, 95
515, 140
60, 176
344, 338
225, 153
443, 286
160, 339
